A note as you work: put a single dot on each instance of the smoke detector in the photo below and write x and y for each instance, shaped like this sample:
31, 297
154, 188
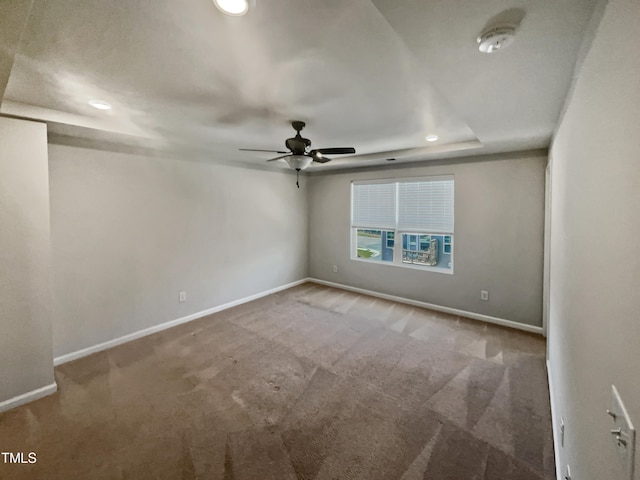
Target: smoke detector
496, 38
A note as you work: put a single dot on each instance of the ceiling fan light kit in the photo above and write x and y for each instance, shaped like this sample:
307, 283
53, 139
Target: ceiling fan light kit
494, 39
298, 162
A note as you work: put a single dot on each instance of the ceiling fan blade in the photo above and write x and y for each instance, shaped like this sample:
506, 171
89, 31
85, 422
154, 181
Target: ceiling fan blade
321, 159
257, 150
278, 158
335, 151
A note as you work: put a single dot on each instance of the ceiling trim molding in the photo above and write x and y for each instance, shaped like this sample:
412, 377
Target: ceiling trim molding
120, 148
488, 157
32, 112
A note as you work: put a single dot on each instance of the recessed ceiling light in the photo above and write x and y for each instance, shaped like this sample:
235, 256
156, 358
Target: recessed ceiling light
232, 7
100, 105
431, 138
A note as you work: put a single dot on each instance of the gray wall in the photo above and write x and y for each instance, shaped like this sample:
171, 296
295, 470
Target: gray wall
25, 299
594, 322
12, 23
498, 242
129, 232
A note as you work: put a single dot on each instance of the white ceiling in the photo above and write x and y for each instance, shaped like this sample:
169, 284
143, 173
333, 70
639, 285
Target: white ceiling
377, 75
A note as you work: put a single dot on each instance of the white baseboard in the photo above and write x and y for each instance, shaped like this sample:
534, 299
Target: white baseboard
454, 311
69, 357
28, 397
554, 423
173, 323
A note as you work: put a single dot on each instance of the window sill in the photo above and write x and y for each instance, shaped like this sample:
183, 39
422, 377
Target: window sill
447, 271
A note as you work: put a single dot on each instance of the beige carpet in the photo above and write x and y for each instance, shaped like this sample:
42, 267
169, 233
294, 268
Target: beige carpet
310, 383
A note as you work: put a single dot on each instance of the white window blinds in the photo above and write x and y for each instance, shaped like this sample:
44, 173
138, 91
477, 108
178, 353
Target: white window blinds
374, 205
426, 205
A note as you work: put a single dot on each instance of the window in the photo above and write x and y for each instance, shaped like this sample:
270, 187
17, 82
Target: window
390, 239
447, 244
376, 245
416, 212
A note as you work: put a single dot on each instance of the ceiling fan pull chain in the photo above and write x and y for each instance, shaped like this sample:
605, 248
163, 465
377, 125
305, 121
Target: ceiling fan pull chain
298, 177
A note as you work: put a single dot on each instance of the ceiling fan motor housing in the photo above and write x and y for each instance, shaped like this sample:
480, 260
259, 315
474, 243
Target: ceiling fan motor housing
298, 145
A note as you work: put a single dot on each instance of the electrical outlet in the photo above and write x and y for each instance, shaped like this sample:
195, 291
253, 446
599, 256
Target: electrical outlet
182, 297
484, 295
335, 269
562, 431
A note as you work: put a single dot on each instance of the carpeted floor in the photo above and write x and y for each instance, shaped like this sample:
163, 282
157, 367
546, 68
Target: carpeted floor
310, 383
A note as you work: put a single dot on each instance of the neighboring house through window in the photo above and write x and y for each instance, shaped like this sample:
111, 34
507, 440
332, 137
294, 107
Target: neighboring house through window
404, 222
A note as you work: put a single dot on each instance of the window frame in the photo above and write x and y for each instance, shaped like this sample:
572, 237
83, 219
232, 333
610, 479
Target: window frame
398, 233
393, 240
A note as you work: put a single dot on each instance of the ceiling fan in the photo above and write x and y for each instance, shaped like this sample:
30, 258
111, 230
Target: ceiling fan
300, 154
